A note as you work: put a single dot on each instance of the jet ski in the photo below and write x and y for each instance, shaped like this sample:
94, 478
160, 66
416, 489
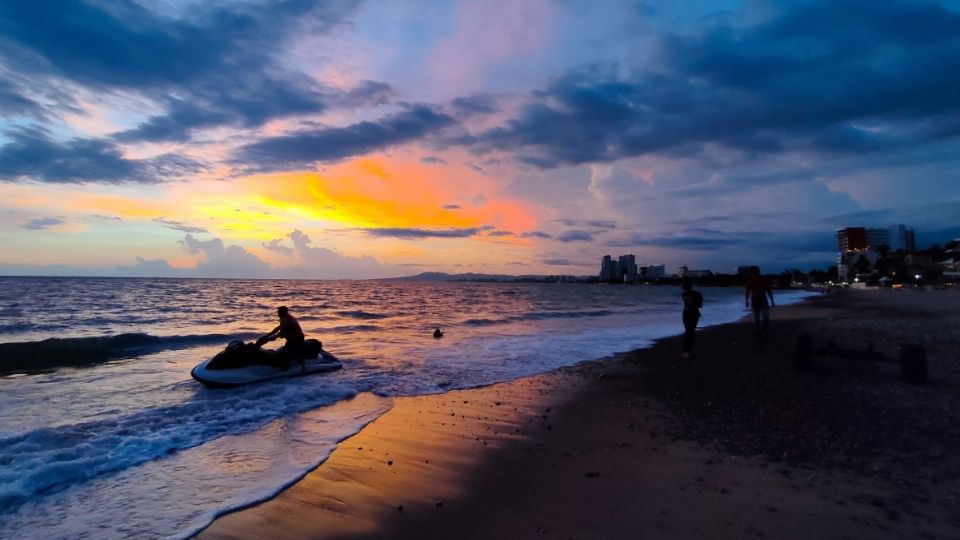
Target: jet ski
247, 363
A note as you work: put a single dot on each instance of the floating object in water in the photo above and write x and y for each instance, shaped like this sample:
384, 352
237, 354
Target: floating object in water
241, 364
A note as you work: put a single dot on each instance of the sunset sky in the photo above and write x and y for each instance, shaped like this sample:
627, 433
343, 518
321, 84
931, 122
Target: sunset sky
358, 139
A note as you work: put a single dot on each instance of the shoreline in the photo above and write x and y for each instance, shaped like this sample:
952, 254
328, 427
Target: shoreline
597, 450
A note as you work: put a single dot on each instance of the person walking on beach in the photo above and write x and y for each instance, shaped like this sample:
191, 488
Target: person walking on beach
692, 302
289, 330
757, 291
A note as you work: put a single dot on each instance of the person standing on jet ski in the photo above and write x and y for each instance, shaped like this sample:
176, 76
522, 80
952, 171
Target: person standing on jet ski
288, 329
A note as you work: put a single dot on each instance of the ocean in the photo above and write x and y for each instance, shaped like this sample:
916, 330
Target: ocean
120, 442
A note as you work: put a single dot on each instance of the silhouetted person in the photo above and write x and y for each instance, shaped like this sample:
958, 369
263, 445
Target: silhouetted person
758, 290
437, 334
289, 330
692, 302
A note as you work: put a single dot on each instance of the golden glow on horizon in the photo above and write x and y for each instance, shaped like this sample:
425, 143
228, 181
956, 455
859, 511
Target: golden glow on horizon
334, 206
373, 192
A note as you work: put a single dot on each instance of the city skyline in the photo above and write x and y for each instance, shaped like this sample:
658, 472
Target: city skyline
366, 139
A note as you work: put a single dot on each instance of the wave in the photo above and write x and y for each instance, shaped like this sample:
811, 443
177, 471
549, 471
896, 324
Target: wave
349, 329
360, 314
540, 315
47, 460
29, 356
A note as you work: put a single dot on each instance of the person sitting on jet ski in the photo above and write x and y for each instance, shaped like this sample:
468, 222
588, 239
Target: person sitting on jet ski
288, 329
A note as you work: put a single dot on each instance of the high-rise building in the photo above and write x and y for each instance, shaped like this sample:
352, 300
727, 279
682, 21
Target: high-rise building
627, 265
877, 238
851, 239
609, 269
901, 238
856, 242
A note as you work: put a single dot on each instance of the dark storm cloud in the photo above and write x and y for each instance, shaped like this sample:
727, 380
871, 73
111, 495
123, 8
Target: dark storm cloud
211, 67
575, 235
32, 154
832, 77
303, 148
418, 233
40, 224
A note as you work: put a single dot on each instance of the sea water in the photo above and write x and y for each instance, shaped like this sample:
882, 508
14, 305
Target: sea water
132, 447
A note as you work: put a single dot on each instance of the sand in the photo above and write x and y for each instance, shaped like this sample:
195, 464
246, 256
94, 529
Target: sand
732, 443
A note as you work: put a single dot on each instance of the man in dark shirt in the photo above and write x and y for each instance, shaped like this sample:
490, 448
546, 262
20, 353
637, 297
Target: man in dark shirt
757, 291
692, 302
289, 330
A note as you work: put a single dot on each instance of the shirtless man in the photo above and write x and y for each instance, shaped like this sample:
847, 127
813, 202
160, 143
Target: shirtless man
757, 291
288, 329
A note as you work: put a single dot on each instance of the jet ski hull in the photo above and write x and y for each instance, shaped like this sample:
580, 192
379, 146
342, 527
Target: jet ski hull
227, 378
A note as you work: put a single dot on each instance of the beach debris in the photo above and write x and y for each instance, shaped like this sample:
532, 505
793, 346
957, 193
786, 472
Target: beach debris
390, 462
400, 508
593, 474
438, 504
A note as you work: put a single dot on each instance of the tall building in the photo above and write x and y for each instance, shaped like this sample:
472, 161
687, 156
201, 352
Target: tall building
609, 269
877, 238
627, 266
851, 239
902, 238
856, 242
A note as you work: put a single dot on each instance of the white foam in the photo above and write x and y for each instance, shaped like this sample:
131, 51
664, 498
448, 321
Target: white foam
179, 495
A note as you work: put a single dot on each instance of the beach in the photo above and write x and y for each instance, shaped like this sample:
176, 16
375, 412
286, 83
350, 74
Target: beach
732, 443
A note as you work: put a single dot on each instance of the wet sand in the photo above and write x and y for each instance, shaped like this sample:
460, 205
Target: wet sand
732, 443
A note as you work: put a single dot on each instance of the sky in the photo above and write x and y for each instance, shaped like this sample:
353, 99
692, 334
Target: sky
363, 139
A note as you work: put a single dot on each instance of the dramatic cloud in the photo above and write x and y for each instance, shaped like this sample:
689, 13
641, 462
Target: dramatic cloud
41, 223
225, 260
210, 66
432, 160
179, 226
274, 245
706, 239
329, 263
800, 80
575, 235
13, 102
560, 262
595, 223
304, 148
475, 105
416, 233
32, 154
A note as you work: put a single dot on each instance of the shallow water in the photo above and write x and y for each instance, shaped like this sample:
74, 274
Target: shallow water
134, 447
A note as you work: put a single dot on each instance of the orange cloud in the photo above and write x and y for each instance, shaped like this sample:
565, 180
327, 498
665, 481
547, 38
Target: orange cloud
380, 192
